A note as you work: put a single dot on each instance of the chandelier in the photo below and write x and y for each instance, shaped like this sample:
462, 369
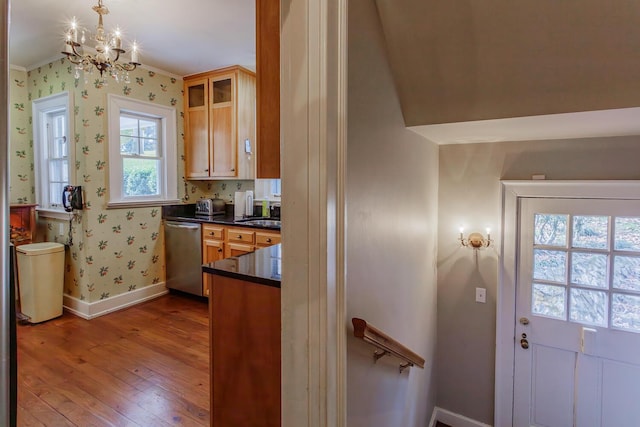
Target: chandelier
108, 48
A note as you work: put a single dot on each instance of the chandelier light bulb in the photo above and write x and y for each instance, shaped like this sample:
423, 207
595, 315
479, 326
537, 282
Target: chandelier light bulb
73, 32
134, 53
117, 40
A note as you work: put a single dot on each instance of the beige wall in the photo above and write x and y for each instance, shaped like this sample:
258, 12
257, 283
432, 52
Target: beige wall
391, 232
469, 194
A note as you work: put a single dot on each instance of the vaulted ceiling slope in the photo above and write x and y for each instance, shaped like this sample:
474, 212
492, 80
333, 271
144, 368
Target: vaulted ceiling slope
463, 60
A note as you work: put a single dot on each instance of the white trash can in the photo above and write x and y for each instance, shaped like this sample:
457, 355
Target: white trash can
41, 280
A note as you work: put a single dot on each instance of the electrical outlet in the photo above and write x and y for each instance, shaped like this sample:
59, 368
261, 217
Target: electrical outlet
481, 295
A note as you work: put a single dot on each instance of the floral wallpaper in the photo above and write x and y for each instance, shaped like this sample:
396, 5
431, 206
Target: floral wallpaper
21, 189
110, 251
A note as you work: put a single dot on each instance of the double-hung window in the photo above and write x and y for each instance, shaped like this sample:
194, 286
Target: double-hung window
142, 153
53, 153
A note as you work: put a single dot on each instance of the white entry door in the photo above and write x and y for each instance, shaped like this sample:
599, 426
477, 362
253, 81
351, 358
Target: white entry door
577, 346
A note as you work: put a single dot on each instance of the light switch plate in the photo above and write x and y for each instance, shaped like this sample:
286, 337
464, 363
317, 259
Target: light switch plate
481, 295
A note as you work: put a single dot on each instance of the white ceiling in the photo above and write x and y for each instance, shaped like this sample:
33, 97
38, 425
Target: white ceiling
182, 37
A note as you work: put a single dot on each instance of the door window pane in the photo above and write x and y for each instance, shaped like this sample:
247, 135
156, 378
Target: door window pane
626, 273
548, 300
588, 306
627, 236
590, 232
589, 269
550, 265
625, 312
550, 230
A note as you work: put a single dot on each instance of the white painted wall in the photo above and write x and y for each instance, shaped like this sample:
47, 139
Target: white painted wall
392, 178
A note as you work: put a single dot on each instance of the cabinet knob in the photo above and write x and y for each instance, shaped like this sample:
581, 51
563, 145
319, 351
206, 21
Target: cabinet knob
269, 240
219, 249
233, 169
211, 233
206, 170
239, 236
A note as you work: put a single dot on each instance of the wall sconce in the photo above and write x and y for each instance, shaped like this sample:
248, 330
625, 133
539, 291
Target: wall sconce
475, 240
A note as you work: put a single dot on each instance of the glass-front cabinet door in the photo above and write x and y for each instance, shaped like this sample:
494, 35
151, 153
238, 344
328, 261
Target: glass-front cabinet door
197, 129
223, 128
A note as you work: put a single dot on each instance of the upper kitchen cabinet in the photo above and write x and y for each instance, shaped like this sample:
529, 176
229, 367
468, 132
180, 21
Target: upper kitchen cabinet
220, 124
268, 81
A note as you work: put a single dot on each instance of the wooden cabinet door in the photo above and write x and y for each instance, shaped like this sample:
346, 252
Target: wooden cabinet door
212, 250
246, 124
196, 128
222, 130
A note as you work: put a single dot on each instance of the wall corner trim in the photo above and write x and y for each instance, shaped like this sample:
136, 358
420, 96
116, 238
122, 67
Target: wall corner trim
453, 419
91, 310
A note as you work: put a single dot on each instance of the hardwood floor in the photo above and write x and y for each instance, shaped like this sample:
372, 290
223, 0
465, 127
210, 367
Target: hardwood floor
147, 365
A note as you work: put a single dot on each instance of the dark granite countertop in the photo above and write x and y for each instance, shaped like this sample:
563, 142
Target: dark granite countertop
188, 213
264, 266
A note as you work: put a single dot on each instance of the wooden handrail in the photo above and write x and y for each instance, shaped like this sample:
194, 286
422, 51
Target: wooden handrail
373, 336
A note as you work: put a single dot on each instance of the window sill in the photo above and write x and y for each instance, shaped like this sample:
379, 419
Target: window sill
54, 213
142, 204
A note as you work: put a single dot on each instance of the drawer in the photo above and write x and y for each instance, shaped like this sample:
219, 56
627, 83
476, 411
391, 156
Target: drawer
237, 249
240, 235
267, 239
212, 232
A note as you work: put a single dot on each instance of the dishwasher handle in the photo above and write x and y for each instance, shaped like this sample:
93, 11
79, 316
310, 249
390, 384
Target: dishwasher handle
182, 225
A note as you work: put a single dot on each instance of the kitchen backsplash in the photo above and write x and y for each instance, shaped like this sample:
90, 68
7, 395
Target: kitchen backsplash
222, 189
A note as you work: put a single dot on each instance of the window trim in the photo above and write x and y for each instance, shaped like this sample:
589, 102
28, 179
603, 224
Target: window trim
40, 108
169, 160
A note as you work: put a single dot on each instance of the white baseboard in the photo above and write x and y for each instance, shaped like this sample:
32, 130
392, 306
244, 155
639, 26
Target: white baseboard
90, 310
453, 419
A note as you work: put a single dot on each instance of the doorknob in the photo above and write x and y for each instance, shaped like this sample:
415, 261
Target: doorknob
524, 321
523, 342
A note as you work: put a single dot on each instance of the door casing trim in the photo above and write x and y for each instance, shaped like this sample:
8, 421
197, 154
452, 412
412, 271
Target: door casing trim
512, 191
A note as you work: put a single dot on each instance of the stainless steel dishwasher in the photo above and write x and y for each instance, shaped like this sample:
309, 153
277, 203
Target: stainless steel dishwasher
183, 254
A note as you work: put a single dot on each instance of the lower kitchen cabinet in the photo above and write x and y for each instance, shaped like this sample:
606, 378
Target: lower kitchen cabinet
212, 250
219, 242
245, 353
